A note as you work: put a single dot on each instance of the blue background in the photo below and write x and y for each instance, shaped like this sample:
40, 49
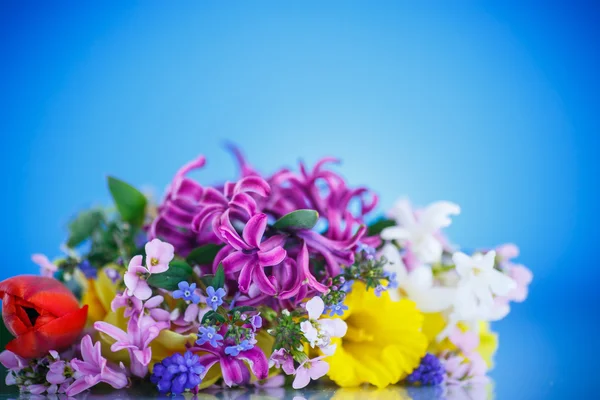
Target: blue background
494, 107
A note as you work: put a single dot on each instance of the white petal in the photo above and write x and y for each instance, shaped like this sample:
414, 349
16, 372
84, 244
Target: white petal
487, 262
315, 307
421, 278
434, 300
463, 263
402, 213
395, 263
428, 249
437, 215
329, 350
395, 233
500, 284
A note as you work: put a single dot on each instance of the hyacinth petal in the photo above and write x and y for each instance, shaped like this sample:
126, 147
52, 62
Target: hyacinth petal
244, 203
271, 257
437, 215
235, 261
230, 235
254, 184
254, 230
257, 361
303, 261
395, 233
80, 385
245, 277
116, 379
231, 369
206, 215
116, 333
260, 279
501, 284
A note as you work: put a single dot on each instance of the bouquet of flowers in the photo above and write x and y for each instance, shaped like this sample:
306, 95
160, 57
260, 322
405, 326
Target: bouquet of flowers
275, 280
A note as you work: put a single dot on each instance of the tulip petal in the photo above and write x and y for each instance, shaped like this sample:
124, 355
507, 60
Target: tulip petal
55, 335
42, 292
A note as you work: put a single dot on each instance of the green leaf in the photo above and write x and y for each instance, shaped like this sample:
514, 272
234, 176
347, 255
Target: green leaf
242, 309
219, 279
5, 335
178, 271
83, 226
212, 316
203, 255
299, 219
379, 225
207, 280
130, 202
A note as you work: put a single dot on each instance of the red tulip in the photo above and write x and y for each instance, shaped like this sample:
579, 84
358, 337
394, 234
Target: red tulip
41, 313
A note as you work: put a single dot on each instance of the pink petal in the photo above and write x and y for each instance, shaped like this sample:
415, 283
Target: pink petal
257, 361
254, 184
303, 262
254, 230
232, 371
245, 277
229, 234
318, 369
245, 203
271, 257
236, 261
112, 331
302, 378
263, 282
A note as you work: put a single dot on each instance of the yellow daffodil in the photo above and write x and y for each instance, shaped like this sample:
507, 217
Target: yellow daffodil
98, 295
383, 344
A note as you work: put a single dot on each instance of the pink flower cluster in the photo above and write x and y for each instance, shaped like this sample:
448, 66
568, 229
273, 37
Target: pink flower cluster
238, 216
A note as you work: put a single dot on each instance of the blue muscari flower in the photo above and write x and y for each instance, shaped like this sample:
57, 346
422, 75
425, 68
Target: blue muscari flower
88, 269
186, 292
234, 350
177, 373
392, 280
214, 298
210, 335
337, 309
378, 290
256, 322
430, 372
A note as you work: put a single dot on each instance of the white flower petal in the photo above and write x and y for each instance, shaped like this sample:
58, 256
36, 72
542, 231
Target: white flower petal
395, 263
315, 307
437, 215
395, 233
501, 284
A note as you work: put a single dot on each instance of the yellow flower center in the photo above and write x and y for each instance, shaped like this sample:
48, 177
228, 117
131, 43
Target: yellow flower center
154, 261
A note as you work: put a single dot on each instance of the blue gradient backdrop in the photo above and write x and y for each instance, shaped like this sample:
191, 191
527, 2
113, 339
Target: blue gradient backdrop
494, 107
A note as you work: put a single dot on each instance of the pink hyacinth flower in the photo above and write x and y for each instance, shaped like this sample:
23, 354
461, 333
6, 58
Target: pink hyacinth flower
310, 369
250, 255
136, 341
93, 369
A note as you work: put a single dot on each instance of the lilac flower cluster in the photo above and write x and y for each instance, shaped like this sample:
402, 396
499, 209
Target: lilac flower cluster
265, 262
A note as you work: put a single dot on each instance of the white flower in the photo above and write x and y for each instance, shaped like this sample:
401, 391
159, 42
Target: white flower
420, 231
319, 332
478, 283
416, 285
